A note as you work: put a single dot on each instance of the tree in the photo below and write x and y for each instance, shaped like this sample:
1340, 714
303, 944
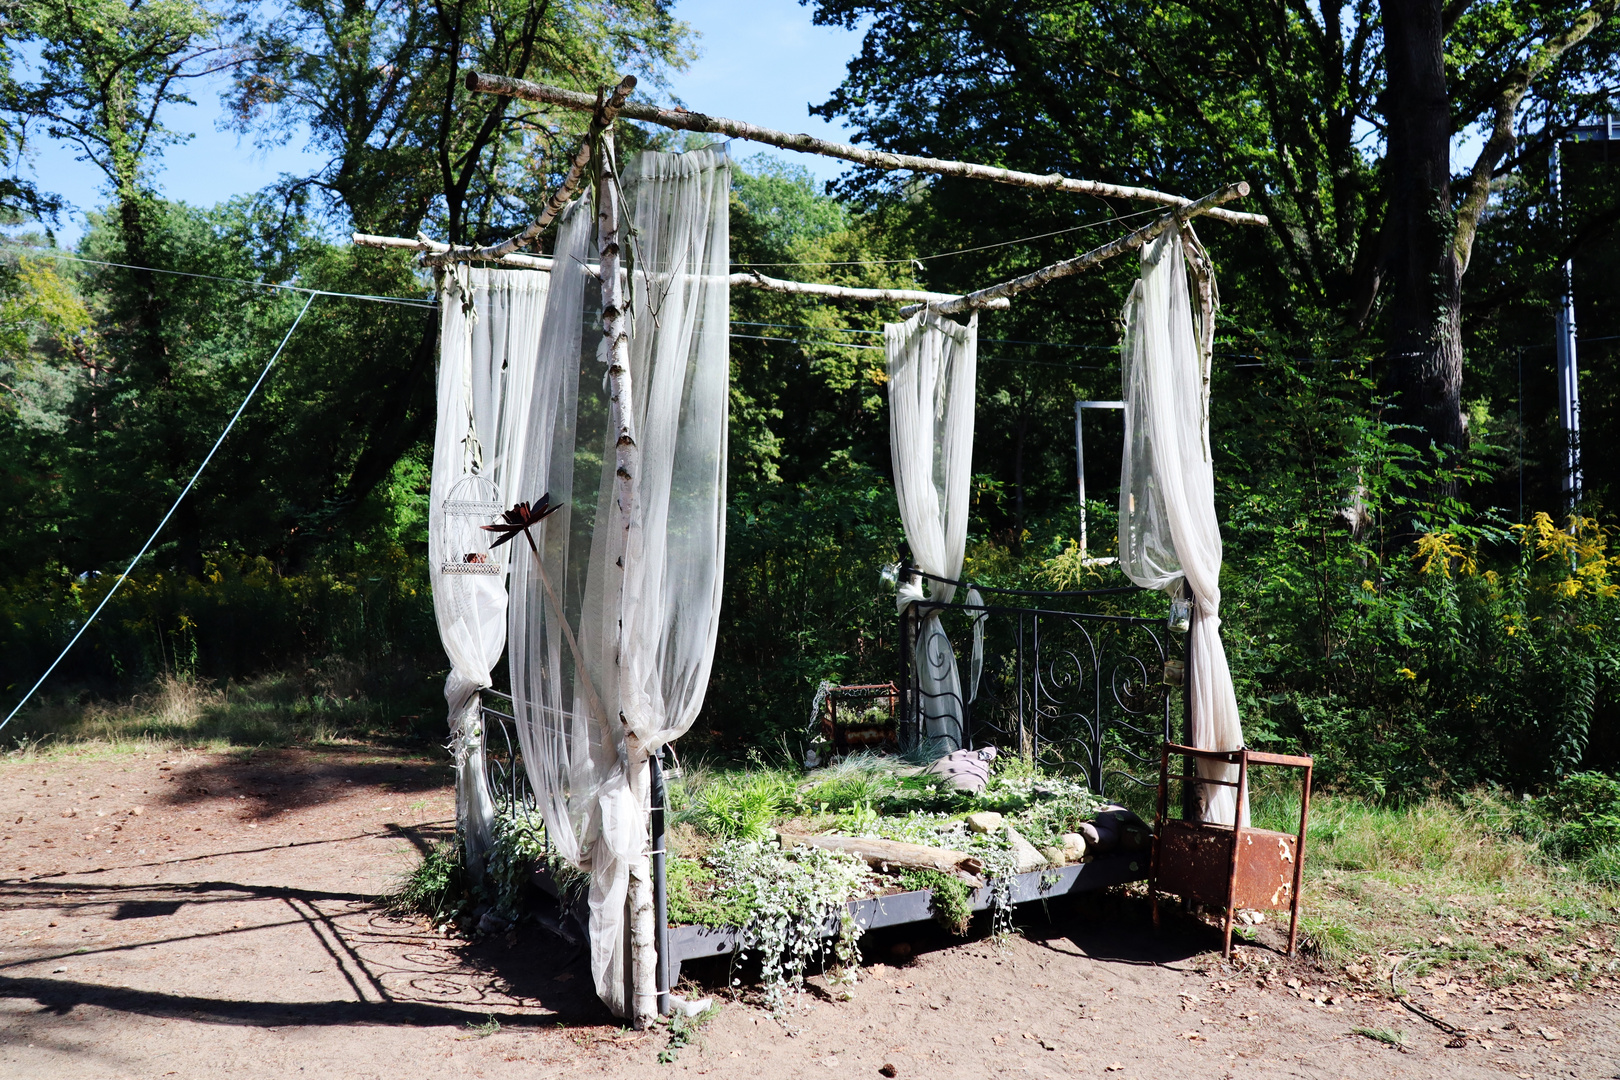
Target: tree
1455, 67
108, 70
378, 83
1341, 115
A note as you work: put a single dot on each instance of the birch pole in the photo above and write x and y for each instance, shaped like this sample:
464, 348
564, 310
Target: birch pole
640, 987
684, 120
1081, 263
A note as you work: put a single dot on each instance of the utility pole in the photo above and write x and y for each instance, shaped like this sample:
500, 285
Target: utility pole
1606, 131
1569, 388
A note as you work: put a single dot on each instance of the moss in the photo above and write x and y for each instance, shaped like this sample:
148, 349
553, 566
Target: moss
951, 904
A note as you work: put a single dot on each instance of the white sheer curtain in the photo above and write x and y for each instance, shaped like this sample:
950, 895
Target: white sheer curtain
488, 339
1167, 525
579, 696
932, 363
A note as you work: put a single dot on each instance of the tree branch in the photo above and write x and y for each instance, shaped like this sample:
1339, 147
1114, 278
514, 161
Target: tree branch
1081, 263
682, 120
1477, 191
605, 111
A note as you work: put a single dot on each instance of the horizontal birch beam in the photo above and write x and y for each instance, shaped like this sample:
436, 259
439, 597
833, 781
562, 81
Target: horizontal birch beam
848, 292
432, 248
683, 120
1081, 263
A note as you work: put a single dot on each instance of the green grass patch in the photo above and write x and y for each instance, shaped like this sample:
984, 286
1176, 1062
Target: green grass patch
335, 704
435, 887
1465, 888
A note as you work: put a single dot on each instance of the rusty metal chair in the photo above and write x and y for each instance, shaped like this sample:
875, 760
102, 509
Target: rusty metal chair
1224, 866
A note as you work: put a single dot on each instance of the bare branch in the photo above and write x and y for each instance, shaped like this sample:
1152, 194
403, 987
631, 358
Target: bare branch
683, 120
605, 114
1081, 263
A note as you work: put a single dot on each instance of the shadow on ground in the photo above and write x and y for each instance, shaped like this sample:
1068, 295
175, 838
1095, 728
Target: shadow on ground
270, 782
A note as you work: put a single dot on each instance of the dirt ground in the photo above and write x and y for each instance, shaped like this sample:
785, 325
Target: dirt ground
203, 914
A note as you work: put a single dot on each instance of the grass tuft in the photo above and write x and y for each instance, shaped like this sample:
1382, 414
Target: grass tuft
1387, 1036
435, 887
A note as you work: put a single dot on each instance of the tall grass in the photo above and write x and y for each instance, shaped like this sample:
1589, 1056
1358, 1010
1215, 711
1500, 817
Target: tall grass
339, 702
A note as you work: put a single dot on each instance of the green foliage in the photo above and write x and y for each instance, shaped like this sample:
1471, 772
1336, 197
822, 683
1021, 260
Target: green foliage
243, 617
436, 887
1582, 816
951, 902
683, 1030
690, 893
382, 93
107, 69
739, 806
517, 846
789, 897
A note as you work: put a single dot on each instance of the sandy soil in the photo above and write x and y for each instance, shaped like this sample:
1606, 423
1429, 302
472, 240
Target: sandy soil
200, 914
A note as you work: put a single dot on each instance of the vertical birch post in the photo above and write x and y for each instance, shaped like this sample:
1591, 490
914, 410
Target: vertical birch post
641, 986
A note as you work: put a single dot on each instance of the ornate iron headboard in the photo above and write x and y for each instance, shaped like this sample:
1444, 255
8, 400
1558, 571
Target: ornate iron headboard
1068, 688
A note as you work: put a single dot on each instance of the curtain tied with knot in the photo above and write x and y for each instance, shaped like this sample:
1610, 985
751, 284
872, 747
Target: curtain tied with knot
613, 630
1168, 531
489, 337
932, 369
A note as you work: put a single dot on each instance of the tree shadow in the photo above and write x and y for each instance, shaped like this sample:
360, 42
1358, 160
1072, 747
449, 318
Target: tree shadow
398, 971
269, 782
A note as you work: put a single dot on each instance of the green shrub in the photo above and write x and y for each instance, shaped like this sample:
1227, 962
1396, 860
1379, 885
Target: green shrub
739, 806
1582, 815
436, 887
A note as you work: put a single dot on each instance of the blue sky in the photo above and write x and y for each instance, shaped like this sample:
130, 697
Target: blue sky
760, 60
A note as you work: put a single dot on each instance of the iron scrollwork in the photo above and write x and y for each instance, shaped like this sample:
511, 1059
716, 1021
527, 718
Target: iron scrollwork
1073, 690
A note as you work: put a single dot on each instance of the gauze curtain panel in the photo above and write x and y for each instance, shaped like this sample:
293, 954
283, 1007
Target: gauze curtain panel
613, 633
489, 340
1168, 531
932, 370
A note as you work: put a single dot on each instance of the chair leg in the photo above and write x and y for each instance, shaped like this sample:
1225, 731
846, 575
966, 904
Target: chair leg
1226, 949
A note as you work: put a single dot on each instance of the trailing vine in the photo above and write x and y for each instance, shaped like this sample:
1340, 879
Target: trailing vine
790, 898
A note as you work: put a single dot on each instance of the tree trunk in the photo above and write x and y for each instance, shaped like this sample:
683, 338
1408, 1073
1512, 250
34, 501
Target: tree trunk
1425, 345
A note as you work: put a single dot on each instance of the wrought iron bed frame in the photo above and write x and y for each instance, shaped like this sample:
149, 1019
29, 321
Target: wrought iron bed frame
1053, 684
1058, 699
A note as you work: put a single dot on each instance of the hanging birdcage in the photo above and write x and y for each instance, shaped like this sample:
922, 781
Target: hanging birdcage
474, 501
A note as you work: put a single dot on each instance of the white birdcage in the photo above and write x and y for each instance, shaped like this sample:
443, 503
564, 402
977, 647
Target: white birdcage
474, 501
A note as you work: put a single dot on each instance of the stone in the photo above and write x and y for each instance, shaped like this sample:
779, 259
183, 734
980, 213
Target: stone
1027, 856
1075, 848
985, 821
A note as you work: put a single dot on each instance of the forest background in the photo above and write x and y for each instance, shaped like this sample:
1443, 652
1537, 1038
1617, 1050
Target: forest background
1408, 592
